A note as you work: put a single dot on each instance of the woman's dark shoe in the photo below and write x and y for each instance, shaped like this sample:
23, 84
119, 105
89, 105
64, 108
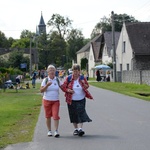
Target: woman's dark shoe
81, 132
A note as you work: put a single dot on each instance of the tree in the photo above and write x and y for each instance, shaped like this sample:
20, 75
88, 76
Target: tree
21, 43
57, 47
61, 24
105, 23
24, 41
54, 46
26, 34
16, 58
10, 41
3, 40
75, 43
3, 62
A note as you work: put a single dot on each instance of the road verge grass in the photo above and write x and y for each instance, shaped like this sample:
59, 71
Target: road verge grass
130, 89
18, 115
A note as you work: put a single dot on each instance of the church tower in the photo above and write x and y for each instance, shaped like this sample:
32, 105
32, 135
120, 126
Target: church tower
41, 26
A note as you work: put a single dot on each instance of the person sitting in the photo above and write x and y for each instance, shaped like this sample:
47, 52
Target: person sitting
18, 81
27, 85
108, 76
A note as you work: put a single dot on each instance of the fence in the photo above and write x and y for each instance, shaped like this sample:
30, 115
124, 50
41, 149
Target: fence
135, 76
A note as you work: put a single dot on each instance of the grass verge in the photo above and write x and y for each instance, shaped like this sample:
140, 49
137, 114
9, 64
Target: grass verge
130, 89
18, 115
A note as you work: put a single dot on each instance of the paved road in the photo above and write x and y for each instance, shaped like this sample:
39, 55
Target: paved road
119, 123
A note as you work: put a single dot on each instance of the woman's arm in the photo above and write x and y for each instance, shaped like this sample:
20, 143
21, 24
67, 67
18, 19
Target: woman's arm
44, 88
64, 86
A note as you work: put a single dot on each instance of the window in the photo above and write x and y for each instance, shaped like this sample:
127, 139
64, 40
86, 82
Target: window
127, 66
124, 47
120, 67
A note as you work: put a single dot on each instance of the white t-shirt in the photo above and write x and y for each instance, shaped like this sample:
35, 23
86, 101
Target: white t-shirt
79, 94
52, 92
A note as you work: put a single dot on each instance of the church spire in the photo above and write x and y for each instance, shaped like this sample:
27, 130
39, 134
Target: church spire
42, 26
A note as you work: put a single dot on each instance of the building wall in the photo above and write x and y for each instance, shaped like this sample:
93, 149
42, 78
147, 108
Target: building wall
91, 63
82, 55
105, 58
124, 58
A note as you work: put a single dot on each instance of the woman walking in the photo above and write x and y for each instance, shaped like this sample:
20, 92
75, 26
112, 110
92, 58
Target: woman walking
50, 87
75, 87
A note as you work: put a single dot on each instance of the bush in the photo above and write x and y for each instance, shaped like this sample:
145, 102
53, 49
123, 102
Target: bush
11, 71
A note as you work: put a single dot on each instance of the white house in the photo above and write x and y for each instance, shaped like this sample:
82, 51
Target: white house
102, 49
133, 50
98, 51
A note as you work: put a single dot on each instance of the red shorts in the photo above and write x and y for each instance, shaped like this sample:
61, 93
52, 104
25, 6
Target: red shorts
51, 109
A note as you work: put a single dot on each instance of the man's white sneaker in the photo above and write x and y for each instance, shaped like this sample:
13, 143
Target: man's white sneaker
56, 134
49, 133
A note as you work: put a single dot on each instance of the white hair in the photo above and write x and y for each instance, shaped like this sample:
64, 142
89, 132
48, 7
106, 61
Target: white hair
50, 66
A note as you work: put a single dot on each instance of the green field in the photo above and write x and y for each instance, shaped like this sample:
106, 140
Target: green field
18, 115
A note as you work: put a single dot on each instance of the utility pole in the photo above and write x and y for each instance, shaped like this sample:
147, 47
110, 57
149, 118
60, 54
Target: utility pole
37, 53
30, 57
113, 46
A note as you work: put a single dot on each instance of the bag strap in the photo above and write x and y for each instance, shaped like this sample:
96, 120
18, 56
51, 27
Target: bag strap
58, 81
69, 78
46, 80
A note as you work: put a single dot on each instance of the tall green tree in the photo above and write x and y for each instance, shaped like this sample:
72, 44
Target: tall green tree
57, 47
60, 28
3, 40
26, 34
75, 42
24, 41
105, 23
60, 24
10, 41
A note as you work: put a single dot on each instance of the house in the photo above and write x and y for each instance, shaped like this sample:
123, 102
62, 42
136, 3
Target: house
101, 51
133, 50
107, 54
98, 51
84, 51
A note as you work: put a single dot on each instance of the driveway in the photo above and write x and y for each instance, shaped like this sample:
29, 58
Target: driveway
119, 122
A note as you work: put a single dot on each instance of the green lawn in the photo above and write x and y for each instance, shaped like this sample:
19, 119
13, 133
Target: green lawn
134, 90
18, 115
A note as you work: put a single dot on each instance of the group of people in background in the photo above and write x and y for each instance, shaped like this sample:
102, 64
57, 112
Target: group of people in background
75, 87
102, 75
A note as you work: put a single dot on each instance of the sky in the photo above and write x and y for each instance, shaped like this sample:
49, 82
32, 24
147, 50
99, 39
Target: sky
19, 15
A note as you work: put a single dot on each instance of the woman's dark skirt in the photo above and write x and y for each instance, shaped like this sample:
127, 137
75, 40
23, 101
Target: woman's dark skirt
77, 112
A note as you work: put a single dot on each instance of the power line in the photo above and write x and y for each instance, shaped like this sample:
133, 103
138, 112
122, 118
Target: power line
142, 9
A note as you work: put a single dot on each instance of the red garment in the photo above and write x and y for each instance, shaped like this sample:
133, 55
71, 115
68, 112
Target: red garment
69, 85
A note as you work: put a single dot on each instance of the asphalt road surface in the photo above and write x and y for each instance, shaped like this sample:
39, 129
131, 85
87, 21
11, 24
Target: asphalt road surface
119, 122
